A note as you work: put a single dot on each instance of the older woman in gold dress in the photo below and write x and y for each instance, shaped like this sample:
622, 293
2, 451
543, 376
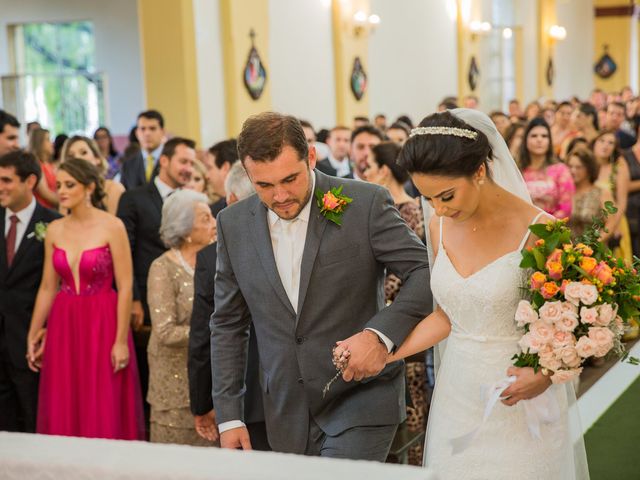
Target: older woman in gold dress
187, 226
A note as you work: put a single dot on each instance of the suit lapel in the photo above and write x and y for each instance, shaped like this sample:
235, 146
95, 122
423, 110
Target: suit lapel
262, 239
155, 196
315, 230
26, 240
3, 246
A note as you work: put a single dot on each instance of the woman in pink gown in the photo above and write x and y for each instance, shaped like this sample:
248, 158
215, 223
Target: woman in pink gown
89, 384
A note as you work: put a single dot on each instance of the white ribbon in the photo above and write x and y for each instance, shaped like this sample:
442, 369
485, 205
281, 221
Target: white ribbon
543, 409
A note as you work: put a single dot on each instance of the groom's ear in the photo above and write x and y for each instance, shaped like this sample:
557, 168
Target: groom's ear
313, 157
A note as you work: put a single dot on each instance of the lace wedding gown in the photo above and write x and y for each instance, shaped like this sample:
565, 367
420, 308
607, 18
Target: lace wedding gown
484, 336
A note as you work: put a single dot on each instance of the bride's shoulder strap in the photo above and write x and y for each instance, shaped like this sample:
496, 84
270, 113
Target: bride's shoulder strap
440, 234
533, 222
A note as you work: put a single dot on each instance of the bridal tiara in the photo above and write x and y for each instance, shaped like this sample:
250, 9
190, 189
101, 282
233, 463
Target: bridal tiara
456, 132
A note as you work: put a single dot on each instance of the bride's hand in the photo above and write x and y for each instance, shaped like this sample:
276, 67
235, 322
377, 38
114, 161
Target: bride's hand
528, 385
119, 356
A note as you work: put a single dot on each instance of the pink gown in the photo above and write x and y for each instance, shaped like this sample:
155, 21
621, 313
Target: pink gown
80, 395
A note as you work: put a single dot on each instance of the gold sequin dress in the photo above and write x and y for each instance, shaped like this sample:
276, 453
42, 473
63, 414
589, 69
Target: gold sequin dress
170, 299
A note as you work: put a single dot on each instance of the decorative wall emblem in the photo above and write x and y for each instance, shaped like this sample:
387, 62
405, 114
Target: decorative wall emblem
606, 66
255, 75
358, 79
474, 74
550, 73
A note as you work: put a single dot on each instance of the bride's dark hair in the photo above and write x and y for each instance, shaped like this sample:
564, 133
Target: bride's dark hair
443, 154
86, 173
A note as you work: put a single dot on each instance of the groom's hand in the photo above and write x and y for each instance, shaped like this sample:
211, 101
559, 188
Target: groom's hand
367, 358
236, 438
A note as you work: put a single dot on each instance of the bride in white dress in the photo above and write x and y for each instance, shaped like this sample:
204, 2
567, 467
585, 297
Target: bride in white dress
463, 169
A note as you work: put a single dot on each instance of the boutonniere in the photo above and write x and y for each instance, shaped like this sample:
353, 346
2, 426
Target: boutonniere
39, 231
332, 204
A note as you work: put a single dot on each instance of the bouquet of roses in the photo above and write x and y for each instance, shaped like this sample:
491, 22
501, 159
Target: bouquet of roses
580, 298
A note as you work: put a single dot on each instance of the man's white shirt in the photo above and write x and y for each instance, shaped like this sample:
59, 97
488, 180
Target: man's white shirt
24, 217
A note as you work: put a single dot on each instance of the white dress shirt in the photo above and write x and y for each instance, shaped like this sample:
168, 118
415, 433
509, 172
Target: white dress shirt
164, 189
288, 240
24, 217
342, 167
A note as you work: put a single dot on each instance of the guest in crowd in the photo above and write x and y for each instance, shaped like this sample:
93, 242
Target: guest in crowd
614, 121
448, 103
398, 132
406, 120
337, 163
187, 226
31, 126
222, 156
598, 99
322, 149
532, 110
471, 101
383, 170
9, 133
40, 145
515, 111
501, 121
199, 181
141, 211
589, 199
585, 120
632, 157
139, 168
360, 121
380, 122
104, 140
514, 136
562, 128
58, 143
362, 142
21, 261
85, 148
614, 177
549, 182
238, 187
89, 384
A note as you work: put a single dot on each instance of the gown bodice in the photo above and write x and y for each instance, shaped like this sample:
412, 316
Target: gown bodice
95, 271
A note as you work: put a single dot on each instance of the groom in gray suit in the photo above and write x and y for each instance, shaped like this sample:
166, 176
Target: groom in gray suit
305, 282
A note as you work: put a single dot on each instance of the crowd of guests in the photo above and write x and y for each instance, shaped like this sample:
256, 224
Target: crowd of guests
107, 259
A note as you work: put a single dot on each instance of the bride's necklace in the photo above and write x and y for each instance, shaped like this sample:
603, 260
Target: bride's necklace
183, 262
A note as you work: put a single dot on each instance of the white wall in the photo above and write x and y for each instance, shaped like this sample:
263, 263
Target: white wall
210, 71
574, 55
117, 47
301, 68
412, 57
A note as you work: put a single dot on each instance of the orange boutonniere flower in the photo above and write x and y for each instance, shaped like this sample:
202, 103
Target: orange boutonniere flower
332, 204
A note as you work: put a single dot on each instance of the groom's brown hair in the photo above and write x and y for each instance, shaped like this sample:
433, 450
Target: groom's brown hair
264, 136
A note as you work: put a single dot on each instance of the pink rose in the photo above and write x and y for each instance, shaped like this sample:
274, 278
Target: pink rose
550, 361
330, 201
567, 323
525, 313
529, 343
562, 338
570, 357
604, 273
588, 294
551, 312
589, 315
541, 331
586, 347
602, 337
606, 313
572, 292
564, 376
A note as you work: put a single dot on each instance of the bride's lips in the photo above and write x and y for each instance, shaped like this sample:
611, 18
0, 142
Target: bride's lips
456, 215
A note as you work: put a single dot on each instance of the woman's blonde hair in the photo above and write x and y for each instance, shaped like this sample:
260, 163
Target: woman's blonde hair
103, 166
37, 139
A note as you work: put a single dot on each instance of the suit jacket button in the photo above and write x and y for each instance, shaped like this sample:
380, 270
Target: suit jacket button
300, 340
300, 381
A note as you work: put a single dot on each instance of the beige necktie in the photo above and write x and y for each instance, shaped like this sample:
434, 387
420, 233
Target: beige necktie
149, 167
284, 260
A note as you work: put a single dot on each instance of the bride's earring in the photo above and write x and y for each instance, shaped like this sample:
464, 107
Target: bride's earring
481, 181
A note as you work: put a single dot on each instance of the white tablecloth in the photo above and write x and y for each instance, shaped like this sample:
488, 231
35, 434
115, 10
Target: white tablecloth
42, 457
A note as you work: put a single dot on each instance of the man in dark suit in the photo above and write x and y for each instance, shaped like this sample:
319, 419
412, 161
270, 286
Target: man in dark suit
140, 209
140, 168
9, 133
238, 187
337, 163
21, 262
221, 156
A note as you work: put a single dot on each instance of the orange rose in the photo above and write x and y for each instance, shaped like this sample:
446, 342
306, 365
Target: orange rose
604, 273
537, 280
555, 270
330, 201
588, 264
540, 243
549, 290
555, 256
585, 250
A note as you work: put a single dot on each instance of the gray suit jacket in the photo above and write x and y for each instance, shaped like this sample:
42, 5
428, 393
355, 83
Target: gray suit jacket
341, 293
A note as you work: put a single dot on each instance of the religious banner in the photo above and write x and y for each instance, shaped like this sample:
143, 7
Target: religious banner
605, 66
255, 75
358, 79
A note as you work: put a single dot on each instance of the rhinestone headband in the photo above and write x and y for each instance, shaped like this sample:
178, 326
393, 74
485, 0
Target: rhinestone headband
456, 132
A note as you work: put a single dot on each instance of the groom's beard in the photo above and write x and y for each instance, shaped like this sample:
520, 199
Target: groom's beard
300, 204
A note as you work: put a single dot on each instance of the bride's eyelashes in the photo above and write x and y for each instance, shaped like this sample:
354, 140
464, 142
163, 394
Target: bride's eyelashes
447, 198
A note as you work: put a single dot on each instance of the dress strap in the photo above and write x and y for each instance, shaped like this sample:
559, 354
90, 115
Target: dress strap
440, 241
526, 235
